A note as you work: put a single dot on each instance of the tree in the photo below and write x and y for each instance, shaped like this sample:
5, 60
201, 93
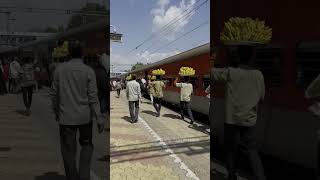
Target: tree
49, 29
137, 66
90, 8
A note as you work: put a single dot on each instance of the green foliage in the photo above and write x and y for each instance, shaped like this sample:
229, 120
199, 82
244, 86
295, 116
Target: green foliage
79, 19
137, 66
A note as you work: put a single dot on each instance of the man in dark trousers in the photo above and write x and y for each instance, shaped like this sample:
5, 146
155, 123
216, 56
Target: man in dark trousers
158, 86
134, 97
186, 90
244, 90
75, 104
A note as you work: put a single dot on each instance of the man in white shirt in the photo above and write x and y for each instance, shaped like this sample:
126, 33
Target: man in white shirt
244, 90
15, 68
185, 97
134, 97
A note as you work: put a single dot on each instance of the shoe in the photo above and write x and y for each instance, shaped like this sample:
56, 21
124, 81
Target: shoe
28, 112
191, 122
232, 177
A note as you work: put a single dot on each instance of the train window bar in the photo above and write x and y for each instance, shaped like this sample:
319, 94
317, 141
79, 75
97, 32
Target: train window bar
269, 62
308, 64
206, 81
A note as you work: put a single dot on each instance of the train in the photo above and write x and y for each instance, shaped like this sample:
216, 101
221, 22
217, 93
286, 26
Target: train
199, 59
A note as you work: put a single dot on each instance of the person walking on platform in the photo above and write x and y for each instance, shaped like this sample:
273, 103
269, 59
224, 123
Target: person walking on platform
207, 91
27, 83
74, 97
134, 96
118, 87
2, 80
37, 77
102, 79
15, 68
244, 90
313, 93
5, 67
185, 96
157, 86
150, 87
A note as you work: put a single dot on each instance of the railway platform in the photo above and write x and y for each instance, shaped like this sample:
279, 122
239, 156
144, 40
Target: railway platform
30, 146
164, 147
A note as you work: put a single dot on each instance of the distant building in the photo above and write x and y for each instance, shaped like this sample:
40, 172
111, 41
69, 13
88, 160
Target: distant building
116, 74
14, 39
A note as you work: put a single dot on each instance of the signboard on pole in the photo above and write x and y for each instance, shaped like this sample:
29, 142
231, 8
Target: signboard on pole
116, 37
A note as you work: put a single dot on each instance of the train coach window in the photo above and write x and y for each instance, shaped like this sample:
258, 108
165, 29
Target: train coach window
269, 62
194, 81
308, 63
206, 81
168, 81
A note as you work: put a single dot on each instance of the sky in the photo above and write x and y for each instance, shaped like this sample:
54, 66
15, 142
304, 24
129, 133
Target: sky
138, 19
25, 21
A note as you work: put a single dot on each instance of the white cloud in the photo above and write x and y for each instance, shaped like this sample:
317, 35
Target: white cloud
162, 15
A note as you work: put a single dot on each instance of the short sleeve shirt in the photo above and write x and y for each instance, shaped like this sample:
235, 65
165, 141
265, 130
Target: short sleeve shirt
244, 89
186, 91
158, 89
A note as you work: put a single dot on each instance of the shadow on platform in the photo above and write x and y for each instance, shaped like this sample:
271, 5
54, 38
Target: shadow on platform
147, 102
20, 111
188, 146
201, 128
150, 112
50, 176
105, 158
172, 116
5, 149
126, 118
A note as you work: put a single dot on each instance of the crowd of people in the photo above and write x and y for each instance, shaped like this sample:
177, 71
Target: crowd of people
138, 88
20, 75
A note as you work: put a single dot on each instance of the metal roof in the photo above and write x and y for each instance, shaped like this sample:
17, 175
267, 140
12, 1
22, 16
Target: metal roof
179, 57
99, 25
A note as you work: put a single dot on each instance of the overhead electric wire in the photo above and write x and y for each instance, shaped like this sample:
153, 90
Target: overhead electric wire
174, 27
167, 32
169, 24
192, 30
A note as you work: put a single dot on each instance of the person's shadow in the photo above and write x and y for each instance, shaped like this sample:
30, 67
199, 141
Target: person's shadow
50, 176
126, 118
150, 113
172, 116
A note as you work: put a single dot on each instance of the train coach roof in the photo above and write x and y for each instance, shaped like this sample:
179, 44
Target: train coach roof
179, 57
